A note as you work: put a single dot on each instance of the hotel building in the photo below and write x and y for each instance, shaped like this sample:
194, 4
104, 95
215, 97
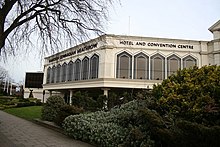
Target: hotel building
126, 62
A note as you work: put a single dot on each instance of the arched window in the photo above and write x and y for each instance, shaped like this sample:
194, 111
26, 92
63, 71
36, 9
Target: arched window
70, 71
124, 65
53, 73
85, 68
48, 75
173, 64
64, 72
189, 61
58, 69
157, 67
77, 69
141, 66
94, 66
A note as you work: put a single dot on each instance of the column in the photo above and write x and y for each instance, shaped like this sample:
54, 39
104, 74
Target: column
71, 95
105, 92
50, 93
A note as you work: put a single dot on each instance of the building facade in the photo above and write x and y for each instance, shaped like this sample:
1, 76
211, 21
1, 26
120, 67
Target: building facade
131, 62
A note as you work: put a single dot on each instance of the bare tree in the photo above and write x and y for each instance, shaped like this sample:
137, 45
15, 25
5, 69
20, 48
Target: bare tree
51, 23
3, 74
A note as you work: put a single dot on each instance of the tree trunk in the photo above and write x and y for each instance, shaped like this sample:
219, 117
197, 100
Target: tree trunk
2, 39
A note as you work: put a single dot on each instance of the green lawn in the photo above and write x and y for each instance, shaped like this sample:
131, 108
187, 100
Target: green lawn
29, 113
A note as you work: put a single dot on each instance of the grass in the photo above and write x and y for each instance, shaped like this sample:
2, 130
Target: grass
28, 113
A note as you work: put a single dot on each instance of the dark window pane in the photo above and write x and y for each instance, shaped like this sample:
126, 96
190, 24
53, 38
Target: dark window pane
189, 62
141, 67
70, 71
94, 66
85, 68
157, 68
173, 65
63, 73
53, 74
124, 66
77, 69
58, 69
48, 75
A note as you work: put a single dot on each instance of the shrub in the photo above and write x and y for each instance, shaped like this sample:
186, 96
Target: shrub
25, 104
52, 108
66, 110
109, 128
82, 99
192, 94
101, 102
184, 133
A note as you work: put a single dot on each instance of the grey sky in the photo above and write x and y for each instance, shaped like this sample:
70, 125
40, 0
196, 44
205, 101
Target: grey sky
180, 19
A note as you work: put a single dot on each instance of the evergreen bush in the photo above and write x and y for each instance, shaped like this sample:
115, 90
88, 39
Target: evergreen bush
66, 110
52, 107
110, 128
192, 94
82, 99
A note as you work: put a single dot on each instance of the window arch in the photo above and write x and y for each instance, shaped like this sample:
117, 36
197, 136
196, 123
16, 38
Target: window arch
94, 66
189, 61
53, 73
141, 66
85, 68
70, 71
124, 65
48, 75
173, 64
157, 67
77, 69
58, 69
64, 72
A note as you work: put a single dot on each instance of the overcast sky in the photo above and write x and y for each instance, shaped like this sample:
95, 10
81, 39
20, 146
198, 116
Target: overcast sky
179, 19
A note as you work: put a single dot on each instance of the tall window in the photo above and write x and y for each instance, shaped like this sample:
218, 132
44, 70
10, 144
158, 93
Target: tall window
173, 64
141, 66
189, 61
94, 66
63, 73
58, 69
53, 74
85, 68
48, 75
77, 69
124, 66
70, 71
157, 67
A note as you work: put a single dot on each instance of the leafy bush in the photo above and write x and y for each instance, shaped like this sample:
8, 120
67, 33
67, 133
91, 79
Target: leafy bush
52, 107
65, 111
197, 135
192, 94
101, 102
25, 104
107, 128
81, 99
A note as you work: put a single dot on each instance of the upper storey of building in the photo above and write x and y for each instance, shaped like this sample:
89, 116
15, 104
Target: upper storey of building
119, 60
131, 43
215, 29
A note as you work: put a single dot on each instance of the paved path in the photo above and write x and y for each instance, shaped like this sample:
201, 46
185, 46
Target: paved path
17, 132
